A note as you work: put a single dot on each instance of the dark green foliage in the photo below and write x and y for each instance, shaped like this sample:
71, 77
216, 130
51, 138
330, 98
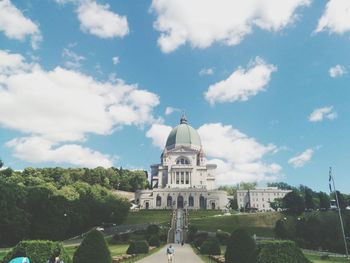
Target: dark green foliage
192, 231
233, 203
210, 246
154, 241
153, 230
281, 230
324, 201
56, 203
293, 203
38, 251
120, 238
281, 185
280, 252
138, 247
199, 238
223, 237
240, 248
93, 249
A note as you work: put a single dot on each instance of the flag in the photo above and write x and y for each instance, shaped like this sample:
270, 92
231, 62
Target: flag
330, 179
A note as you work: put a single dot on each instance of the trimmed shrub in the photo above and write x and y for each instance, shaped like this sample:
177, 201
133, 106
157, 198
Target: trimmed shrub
280, 252
138, 247
223, 237
281, 230
240, 248
192, 231
154, 241
93, 249
153, 230
119, 238
199, 238
210, 246
38, 251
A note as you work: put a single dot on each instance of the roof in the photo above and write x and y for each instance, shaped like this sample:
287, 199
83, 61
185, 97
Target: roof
183, 135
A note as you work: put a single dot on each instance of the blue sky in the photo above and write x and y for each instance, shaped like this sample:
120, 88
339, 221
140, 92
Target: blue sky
88, 83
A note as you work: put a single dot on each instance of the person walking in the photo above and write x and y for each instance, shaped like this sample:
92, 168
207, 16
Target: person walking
170, 251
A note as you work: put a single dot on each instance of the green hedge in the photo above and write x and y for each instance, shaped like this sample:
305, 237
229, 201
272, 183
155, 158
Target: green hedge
223, 237
210, 246
38, 251
93, 249
199, 238
240, 248
154, 241
281, 251
138, 247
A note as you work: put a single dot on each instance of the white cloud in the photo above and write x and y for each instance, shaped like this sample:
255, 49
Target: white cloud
63, 105
239, 157
335, 18
206, 72
36, 150
115, 60
323, 113
158, 133
203, 22
72, 60
16, 26
337, 71
242, 83
170, 110
301, 159
98, 20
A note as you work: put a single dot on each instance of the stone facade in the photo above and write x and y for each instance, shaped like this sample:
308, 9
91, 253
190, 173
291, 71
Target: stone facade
183, 179
259, 198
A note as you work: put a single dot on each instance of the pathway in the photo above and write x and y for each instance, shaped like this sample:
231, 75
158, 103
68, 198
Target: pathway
183, 254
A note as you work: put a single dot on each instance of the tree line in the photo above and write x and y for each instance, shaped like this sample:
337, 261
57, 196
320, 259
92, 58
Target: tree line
58, 203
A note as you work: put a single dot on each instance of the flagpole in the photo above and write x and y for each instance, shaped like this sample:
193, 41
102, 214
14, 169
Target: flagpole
340, 217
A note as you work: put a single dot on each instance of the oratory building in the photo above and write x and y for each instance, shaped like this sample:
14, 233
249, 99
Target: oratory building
183, 179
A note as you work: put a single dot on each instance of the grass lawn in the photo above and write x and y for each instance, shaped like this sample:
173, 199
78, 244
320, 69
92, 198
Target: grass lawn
261, 224
148, 217
116, 250
316, 259
163, 216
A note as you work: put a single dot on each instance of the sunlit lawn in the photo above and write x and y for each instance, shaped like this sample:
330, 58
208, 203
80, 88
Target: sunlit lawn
317, 259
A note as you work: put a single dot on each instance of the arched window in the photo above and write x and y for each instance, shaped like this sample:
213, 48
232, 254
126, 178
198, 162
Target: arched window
202, 202
169, 201
158, 201
190, 201
182, 161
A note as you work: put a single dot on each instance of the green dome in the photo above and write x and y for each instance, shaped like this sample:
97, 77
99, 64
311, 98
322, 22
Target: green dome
185, 135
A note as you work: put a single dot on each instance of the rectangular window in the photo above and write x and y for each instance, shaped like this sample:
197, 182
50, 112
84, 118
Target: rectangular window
187, 178
177, 178
182, 177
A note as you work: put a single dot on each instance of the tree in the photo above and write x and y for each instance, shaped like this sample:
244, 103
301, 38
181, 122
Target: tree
309, 202
280, 185
1, 164
281, 230
247, 186
276, 204
324, 201
240, 248
293, 204
93, 249
233, 203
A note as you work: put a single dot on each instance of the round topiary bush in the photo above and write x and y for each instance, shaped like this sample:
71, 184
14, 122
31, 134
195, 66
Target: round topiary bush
153, 230
280, 252
37, 251
93, 249
154, 241
240, 248
223, 237
138, 247
210, 246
